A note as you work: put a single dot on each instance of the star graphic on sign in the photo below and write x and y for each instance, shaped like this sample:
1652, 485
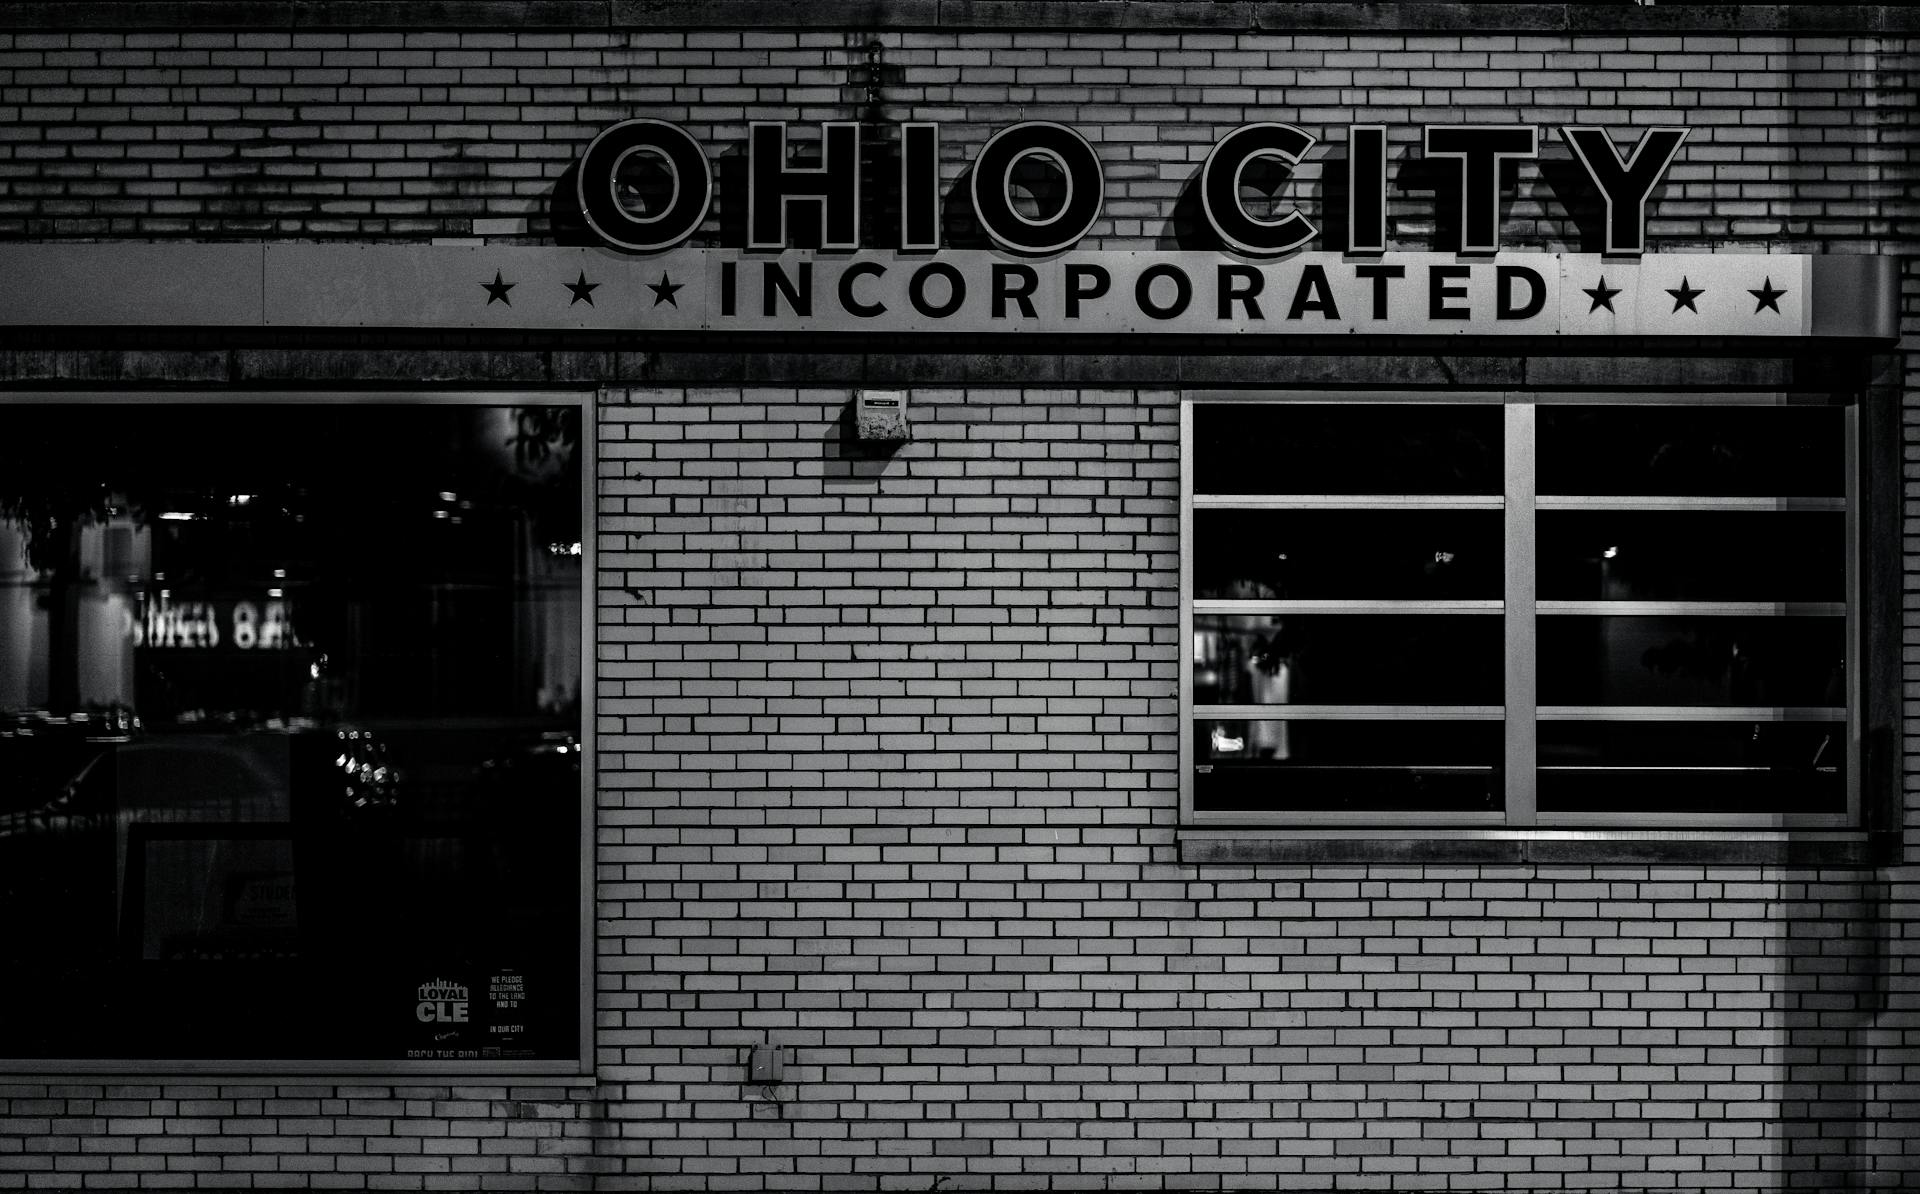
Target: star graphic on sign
1602, 296
1684, 296
497, 290
1769, 298
582, 289
664, 289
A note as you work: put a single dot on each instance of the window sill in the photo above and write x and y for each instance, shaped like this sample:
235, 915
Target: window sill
1549, 847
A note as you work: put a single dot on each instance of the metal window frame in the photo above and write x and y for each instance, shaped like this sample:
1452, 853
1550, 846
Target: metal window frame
1522, 610
573, 1071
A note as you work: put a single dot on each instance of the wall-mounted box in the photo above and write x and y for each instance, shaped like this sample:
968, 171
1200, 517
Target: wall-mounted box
767, 1064
881, 416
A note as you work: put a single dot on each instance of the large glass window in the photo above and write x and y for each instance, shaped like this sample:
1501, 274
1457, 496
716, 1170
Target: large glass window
291, 732
1499, 612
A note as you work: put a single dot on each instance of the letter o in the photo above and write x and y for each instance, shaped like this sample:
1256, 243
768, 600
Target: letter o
598, 176
993, 175
1182, 290
917, 289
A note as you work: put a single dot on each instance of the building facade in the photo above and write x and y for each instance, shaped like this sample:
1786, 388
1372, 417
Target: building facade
961, 595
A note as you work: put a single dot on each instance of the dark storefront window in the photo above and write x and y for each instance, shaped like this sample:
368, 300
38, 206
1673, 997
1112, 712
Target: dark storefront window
1499, 612
291, 736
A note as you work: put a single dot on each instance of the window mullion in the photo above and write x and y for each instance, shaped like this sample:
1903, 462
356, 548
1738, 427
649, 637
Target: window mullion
1520, 689
1187, 452
1857, 663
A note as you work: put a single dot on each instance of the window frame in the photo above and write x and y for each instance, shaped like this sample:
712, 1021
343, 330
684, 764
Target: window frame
1519, 609
567, 1071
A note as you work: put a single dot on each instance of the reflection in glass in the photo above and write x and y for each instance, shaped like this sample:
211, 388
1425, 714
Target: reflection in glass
1718, 451
1346, 554
1692, 767
1407, 764
1346, 659
1700, 660
1628, 555
290, 718
1348, 448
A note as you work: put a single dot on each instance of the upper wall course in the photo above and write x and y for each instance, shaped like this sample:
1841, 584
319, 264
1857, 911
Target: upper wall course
950, 14
1799, 142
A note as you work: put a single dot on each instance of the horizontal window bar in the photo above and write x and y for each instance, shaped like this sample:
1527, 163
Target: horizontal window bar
1791, 609
1347, 712
1680, 398
1611, 767
1347, 397
1344, 501
1645, 826
1740, 827
1438, 768
1533, 397
1580, 501
1301, 606
133, 397
1690, 713
1364, 821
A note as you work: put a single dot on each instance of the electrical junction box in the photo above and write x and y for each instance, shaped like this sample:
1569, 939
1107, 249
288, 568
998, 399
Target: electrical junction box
881, 416
767, 1064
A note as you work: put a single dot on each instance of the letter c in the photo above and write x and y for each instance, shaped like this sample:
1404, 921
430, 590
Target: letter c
850, 302
1220, 189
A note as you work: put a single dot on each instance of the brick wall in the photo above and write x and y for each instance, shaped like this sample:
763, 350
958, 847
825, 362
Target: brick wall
888, 747
892, 766
260, 1135
1799, 142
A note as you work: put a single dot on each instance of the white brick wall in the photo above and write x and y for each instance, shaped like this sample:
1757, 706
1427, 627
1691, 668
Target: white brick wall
887, 748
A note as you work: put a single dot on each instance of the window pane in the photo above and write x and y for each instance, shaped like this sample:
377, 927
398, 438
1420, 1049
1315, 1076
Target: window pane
1685, 767
1699, 660
1362, 448
1718, 451
310, 680
1626, 555
1343, 659
1379, 554
1361, 765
